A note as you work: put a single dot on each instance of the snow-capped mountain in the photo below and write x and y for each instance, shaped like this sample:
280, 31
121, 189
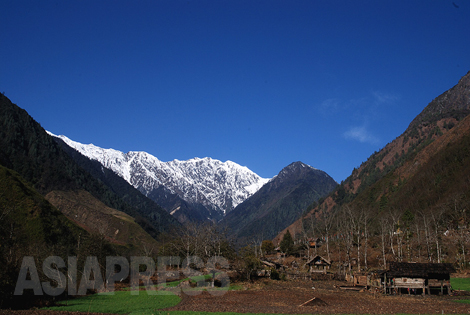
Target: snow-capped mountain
218, 186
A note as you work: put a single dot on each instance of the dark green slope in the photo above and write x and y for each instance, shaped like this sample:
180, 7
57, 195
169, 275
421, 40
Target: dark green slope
26, 148
28, 218
31, 226
279, 203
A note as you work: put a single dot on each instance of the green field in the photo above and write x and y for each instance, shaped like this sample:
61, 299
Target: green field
460, 284
121, 302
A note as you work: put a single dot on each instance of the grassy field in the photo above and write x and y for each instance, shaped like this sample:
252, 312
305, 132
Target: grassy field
460, 283
121, 302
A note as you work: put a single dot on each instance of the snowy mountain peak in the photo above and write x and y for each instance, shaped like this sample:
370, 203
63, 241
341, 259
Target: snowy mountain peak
218, 186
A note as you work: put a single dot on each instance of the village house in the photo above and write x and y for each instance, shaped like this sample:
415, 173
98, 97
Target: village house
314, 242
318, 264
417, 278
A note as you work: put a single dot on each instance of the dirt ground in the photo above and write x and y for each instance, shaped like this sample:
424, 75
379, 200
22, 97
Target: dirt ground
286, 297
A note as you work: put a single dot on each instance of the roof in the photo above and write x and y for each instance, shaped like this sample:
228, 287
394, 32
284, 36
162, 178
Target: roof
269, 264
419, 270
318, 258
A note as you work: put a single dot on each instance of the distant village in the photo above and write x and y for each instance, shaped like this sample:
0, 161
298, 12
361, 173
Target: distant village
398, 278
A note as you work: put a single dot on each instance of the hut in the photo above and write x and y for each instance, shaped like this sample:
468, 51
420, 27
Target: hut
318, 264
360, 279
417, 277
314, 242
266, 268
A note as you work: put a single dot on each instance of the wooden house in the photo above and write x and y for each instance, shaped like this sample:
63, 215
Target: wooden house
314, 242
360, 279
266, 268
417, 277
318, 264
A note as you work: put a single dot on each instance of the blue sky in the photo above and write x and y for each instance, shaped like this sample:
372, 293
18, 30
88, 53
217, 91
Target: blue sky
260, 83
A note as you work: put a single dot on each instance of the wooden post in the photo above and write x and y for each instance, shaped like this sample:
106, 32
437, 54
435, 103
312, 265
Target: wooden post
385, 283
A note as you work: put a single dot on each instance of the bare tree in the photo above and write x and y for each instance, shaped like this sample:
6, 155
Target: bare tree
427, 234
384, 231
418, 235
326, 227
347, 229
437, 222
394, 230
305, 234
355, 217
366, 217
407, 219
459, 216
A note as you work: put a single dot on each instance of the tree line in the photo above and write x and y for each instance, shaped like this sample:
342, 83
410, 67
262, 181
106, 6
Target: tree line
353, 234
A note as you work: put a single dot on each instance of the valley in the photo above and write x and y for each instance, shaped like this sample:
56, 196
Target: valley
407, 203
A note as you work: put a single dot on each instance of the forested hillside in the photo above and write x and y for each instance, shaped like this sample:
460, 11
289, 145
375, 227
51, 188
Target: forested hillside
407, 202
31, 226
278, 203
436, 119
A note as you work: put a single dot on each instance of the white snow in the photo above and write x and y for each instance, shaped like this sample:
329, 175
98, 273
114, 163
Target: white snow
199, 180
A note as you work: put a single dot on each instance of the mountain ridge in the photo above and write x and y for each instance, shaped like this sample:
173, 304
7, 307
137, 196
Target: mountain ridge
279, 202
217, 186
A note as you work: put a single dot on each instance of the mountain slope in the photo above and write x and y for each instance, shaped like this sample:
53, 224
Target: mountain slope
206, 186
25, 212
437, 118
29, 226
279, 203
26, 148
117, 184
95, 217
434, 179
384, 183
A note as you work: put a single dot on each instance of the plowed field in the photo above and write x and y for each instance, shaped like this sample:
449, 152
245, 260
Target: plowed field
286, 297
